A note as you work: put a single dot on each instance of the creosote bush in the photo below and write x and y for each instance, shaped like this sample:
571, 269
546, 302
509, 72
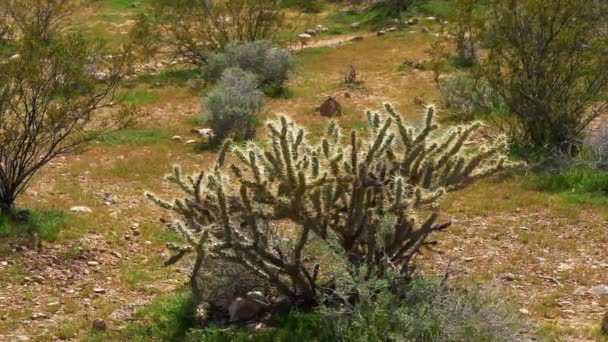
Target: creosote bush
270, 64
372, 199
49, 102
194, 28
233, 105
546, 60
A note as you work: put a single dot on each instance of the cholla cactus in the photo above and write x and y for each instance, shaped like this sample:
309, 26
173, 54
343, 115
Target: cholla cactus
361, 193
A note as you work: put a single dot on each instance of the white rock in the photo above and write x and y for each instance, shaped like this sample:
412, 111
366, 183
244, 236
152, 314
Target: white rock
580, 291
600, 290
304, 37
190, 142
15, 56
177, 138
81, 209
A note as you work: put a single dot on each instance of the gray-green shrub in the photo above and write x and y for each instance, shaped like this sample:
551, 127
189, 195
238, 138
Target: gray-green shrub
233, 104
467, 99
270, 64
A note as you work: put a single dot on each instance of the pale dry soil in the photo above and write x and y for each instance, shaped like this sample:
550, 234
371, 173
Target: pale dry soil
529, 246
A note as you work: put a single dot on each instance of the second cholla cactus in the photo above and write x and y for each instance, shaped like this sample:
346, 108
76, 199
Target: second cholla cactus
373, 196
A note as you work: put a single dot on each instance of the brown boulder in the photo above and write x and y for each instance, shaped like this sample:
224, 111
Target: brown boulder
331, 107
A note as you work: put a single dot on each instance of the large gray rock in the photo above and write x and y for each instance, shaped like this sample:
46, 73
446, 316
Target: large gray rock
248, 307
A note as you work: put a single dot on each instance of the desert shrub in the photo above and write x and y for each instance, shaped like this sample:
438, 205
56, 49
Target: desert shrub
547, 61
233, 104
49, 101
469, 99
422, 310
359, 195
194, 29
271, 65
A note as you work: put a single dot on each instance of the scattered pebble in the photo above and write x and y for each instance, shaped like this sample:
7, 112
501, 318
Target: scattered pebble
81, 209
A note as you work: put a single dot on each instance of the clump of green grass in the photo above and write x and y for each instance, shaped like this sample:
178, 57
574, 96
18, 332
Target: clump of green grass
140, 98
139, 137
123, 5
166, 319
435, 8
46, 223
580, 185
171, 77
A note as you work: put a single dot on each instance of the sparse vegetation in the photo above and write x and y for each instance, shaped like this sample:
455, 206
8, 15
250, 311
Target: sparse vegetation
82, 255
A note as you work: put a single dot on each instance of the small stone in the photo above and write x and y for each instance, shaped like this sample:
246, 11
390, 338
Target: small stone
425, 30
524, 311
190, 142
4, 263
38, 278
347, 95
580, 291
508, 277
22, 338
564, 267
38, 315
355, 26
148, 243
93, 263
177, 138
52, 304
116, 254
391, 29
136, 232
81, 209
99, 290
381, 33
304, 38
99, 324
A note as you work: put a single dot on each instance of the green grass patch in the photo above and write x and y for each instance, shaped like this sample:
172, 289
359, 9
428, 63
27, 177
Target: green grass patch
124, 5
296, 327
46, 223
170, 77
136, 137
435, 8
110, 17
579, 185
140, 98
166, 319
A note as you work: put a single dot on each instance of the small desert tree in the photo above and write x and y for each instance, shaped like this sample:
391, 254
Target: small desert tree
547, 61
194, 28
48, 100
374, 199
